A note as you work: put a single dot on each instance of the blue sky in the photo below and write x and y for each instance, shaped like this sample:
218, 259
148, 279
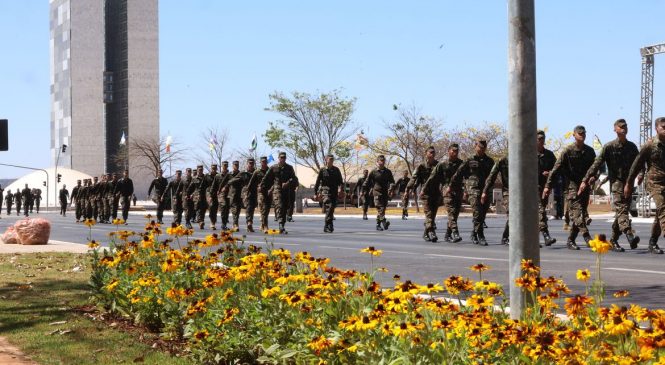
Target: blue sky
219, 60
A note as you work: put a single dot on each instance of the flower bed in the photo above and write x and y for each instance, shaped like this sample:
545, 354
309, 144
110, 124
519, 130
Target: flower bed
237, 303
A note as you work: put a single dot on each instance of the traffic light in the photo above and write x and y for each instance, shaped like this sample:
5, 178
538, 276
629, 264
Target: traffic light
59, 177
64, 148
44, 183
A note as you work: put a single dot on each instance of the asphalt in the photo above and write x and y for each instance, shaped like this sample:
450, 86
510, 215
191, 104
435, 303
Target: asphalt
406, 254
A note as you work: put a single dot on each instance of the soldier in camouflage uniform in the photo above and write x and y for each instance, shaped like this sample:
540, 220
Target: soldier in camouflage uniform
500, 168
175, 188
430, 197
401, 187
452, 197
619, 156
158, 184
187, 202
249, 193
19, 201
212, 186
235, 194
652, 155
382, 182
574, 162
75, 199
263, 201
546, 161
223, 194
327, 188
363, 197
92, 195
197, 190
125, 189
9, 200
475, 170
283, 180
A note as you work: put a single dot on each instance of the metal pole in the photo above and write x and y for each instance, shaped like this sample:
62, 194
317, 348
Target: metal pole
522, 164
57, 161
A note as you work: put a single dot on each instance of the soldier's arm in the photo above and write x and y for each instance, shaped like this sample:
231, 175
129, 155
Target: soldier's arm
595, 167
491, 178
293, 181
456, 179
268, 180
152, 185
367, 184
555, 170
434, 179
638, 164
317, 184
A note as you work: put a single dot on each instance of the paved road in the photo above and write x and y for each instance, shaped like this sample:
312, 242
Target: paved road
406, 254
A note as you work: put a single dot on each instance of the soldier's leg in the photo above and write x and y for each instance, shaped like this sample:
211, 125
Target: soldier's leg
235, 212
114, 208
328, 210
505, 236
26, 208
125, 208
250, 208
225, 211
405, 205
160, 211
474, 201
291, 205
212, 211
37, 203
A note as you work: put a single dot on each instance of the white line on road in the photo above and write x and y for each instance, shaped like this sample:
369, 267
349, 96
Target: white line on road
466, 257
360, 248
635, 270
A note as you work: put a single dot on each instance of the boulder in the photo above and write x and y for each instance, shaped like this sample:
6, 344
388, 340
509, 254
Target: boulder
9, 237
33, 231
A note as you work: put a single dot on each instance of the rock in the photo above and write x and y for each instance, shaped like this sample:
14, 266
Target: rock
9, 237
33, 231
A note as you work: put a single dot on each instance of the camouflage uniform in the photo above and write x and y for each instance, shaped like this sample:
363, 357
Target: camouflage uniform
212, 186
382, 182
276, 176
401, 185
175, 189
546, 161
223, 195
475, 170
500, 168
75, 198
327, 185
235, 185
197, 190
250, 196
619, 158
263, 201
363, 196
125, 189
9, 199
573, 164
159, 184
239, 185
110, 202
27, 200
19, 201
187, 202
431, 198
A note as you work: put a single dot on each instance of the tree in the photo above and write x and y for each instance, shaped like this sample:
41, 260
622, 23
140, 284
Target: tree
495, 134
315, 125
150, 154
213, 146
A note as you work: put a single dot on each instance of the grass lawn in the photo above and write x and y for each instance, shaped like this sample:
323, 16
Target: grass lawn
39, 297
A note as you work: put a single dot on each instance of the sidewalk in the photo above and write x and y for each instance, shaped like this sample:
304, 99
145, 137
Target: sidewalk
53, 246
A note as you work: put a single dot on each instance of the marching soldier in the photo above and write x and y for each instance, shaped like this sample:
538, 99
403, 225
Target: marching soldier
238, 194
26, 195
174, 188
92, 196
619, 156
38, 199
327, 187
64, 200
19, 201
212, 186
110, 210
9, 200
235, 185
452, 198
500, 168
125, 188
249, 193
197, 191
430, 198
263, 200
282, 178
159, 184
546, 161
475, 170
381, 180
223, 194
2, 197
574, 162
651, 155
75, 199
187, 202
401, 186
363, 197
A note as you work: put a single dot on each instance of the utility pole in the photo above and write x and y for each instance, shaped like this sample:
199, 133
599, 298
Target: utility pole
522, 155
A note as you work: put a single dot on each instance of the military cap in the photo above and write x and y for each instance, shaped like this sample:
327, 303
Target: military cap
213, 165
251, 160
236, 163
188, 169
454, 146
225, 163
264, 158
330, 155
178, 171
579, 129
660, 120
540, 133
78, 180
282, 154
481, 142
620, 122
199, 167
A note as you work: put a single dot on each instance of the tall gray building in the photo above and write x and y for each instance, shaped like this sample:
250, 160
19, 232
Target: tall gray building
104, 83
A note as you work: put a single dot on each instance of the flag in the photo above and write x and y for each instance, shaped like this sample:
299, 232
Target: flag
212, 144
169, 139
568, 135
597, 145
122, 139
270, 158
254, 144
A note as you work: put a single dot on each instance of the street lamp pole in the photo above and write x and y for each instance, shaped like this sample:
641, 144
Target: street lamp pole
62, 148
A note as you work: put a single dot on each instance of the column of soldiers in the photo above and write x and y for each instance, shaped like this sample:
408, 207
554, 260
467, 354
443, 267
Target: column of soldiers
26, 199
98, 198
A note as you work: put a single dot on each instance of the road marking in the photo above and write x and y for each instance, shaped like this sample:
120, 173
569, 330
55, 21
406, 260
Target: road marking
635, 270
360, 248
467, 257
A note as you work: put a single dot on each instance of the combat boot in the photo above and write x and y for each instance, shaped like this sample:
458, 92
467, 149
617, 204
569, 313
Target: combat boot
188, 225
225, 227
587, 239
378, 226
632, 240
548, 239
615, 245
448, 237
386, 224
572, 245
404, 214
653, 246
588, 221
250, 228
474, 238
201, 225
364, 216
456, 236
326, 228
213, 228
426, 236
331, 228
235, 228
505, 241
289, 219
481, 239
282, 230
432, 236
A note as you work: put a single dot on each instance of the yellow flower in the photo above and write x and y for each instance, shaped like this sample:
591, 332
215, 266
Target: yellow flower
271, 231
619, 325
319, 344
200, 335
269, 292
89, 222
93, 244
118, 221
477, 301
600, 244
110, 286
372, 251
583, 275
212, 240
178, 231
577, 305
621, 294
480, 267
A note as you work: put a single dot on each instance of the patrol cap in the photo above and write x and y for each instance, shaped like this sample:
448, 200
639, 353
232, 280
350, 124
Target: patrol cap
188, 169
251, 160
620, 123
264, 158
282, 154
199, 167
453, 146
213, 166
178, 171
78, 180
225, 163
481, 142
579, 129
236, 163
540, 133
